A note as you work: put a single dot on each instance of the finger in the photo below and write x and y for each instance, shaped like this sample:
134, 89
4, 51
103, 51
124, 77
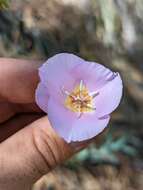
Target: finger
31, 153
16, 123
18, 80
8, 110
27, 108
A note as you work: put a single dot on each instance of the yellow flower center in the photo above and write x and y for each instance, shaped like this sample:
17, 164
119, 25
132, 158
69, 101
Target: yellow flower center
80, 100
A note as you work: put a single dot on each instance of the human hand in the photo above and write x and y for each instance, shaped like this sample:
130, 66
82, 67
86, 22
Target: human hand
30, 151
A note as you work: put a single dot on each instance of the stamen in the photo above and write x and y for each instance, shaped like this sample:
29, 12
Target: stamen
90, 107
65, 92
81, 85
80, 115
94, 94
80, 88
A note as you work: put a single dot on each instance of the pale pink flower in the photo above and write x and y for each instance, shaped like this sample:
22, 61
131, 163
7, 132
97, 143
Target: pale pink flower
77, 95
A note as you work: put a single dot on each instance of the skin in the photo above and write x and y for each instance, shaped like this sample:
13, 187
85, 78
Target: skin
29, 146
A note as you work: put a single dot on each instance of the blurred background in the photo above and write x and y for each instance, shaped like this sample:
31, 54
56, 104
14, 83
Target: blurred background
106, 31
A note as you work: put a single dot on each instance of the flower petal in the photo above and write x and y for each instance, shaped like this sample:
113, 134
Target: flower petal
42, 96
61, 118
87, 127
56, 72
93, 75
109, 97
70, 127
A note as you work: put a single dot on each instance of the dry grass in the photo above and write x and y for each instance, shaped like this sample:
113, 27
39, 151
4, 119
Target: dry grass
95, 178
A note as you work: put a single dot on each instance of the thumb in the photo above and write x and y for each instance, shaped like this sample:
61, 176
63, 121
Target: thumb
31, 153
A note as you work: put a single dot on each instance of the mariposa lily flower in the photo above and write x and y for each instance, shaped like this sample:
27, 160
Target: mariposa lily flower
77, 95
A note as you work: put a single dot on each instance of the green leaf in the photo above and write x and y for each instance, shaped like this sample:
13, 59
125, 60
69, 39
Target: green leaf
4, 4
